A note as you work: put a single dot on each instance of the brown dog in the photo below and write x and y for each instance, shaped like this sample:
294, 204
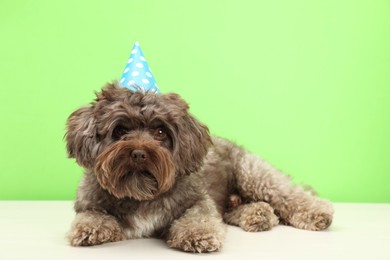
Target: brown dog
152, 169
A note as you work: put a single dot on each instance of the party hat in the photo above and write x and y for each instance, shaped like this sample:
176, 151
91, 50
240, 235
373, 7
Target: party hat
137, 75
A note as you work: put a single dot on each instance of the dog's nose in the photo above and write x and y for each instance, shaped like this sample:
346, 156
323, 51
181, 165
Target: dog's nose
139, 155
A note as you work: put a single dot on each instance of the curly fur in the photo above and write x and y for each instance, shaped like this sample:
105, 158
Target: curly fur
185, 184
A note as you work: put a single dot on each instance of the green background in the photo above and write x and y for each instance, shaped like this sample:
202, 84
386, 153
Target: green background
304, 84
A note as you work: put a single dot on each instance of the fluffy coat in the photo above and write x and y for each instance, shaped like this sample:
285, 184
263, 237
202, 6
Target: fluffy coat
152, 169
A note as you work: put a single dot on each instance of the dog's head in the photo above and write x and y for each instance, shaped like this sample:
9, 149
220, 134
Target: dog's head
136, 144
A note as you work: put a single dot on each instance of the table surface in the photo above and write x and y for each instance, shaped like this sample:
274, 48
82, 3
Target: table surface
36, 230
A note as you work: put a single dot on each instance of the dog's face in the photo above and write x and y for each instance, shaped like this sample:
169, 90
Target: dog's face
136, 144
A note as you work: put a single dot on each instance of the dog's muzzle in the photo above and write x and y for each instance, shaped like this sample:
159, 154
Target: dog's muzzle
136, 169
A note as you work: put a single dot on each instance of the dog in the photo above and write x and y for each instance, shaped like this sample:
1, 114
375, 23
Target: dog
153, 170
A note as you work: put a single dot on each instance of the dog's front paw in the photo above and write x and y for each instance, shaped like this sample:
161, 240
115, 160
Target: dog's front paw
93, 228
196, 241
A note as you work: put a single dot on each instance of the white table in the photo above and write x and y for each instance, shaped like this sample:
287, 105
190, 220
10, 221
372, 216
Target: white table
36, 230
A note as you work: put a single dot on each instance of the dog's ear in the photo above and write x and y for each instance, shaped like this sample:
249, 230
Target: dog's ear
81, 136
192, 138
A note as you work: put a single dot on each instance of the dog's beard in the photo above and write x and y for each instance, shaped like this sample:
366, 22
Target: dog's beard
117, 172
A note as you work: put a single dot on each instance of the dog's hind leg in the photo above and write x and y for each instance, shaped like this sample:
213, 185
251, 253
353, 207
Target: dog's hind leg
252, 217
257, 180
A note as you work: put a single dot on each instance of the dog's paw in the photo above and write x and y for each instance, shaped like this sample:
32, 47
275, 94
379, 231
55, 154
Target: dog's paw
91, 229
314, 221
196, 241
253, 217
90, 236
322, 221
316, 218
258, 216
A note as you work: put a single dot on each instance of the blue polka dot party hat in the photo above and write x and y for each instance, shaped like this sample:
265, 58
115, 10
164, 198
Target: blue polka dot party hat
137, 75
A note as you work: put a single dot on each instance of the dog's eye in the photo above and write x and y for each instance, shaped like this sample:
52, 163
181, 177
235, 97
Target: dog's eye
160, 134
119, 131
